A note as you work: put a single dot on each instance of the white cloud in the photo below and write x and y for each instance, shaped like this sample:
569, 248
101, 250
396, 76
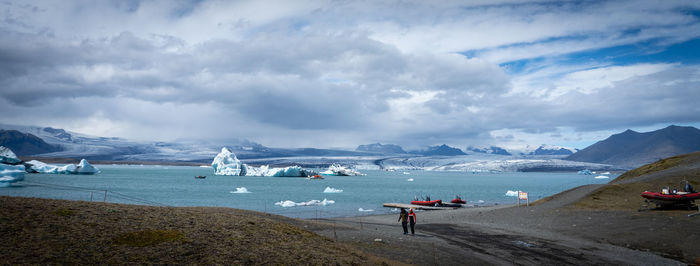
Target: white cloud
343, 72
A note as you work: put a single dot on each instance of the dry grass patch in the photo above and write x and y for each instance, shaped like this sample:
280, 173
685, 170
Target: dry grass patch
64, 212
627, 196
43, 231
149, 237
660, 165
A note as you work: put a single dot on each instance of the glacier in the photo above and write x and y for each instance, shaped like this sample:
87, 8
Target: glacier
82, 168
226, 163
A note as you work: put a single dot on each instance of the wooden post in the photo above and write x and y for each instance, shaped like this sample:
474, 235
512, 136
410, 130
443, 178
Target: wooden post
90, 195
105, 199
518, 198
335, 236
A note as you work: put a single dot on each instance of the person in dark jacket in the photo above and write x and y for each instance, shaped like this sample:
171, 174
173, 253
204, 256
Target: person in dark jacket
403, 217
412, 220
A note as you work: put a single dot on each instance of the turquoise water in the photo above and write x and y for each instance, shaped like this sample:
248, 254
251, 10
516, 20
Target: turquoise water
176, 186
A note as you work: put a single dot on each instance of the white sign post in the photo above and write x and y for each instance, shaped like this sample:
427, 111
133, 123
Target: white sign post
523, 196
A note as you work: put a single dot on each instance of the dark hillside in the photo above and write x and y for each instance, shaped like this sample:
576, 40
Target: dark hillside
25, 143
632, 149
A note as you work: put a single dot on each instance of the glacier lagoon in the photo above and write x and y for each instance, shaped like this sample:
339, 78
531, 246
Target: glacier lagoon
361, 195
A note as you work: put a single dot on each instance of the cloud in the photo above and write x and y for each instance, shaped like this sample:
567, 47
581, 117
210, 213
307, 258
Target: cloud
345, 73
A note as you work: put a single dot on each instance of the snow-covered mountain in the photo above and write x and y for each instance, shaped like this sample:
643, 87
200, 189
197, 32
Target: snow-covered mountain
76, 145
440, 150
489, 150
443, 157
544, 149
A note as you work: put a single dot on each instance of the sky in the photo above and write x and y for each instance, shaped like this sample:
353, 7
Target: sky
342, 73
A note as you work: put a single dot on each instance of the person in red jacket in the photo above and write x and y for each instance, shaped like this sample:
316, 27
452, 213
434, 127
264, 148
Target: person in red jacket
412, 220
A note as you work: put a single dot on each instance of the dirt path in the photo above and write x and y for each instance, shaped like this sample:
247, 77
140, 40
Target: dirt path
499, 235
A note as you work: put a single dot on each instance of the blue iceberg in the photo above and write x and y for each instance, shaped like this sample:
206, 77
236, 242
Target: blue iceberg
226, 163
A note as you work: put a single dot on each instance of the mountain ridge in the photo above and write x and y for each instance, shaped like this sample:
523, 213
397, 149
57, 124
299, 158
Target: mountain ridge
632, 149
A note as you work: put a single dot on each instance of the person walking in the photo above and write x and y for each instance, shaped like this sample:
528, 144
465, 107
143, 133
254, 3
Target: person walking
412, 220
403, 217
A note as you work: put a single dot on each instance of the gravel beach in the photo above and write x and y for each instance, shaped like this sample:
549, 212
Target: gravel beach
550, 233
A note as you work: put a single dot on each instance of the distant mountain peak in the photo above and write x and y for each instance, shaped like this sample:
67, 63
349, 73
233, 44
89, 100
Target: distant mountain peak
633, 149
25, 143
489, 150
441, 150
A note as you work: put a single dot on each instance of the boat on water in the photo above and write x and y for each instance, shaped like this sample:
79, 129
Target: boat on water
315, 177
435, 203
458, 200
200, 177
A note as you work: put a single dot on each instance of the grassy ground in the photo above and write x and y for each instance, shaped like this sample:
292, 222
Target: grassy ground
624, 192
42, 231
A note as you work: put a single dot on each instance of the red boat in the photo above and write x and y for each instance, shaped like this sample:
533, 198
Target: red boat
680, 198
427, 202
459, 200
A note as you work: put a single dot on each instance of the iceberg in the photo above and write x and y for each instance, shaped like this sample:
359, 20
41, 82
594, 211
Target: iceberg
83, 168
332, 190
289, 203
10, 174
511, 193
337, 170
226, 163
7, 156
292, 171
241, 190
601, 177
363, 210
585, 172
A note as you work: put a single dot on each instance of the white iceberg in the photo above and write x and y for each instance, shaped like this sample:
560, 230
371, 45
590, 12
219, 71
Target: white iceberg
241, 190
338, 170
585, 172
289, 203
83, 168
10, 174
511, 193
605, 173
363, 210
332, 190
226, 163
601, 177
409, 180
7, 156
